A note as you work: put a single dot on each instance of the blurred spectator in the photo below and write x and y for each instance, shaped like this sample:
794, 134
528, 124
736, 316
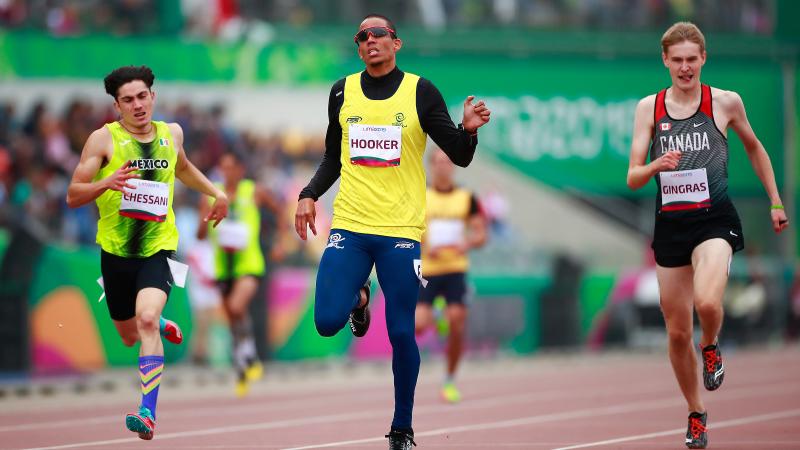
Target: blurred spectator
793, 325
13, 13
232, 20
495, 207
5, 174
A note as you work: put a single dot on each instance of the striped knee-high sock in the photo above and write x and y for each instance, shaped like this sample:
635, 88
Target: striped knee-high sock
150, 368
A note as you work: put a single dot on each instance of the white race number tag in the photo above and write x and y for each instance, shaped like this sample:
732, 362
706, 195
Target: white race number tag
444, 233
375, 145
149, 201
684, 189
179, 271
233, 235
418, 271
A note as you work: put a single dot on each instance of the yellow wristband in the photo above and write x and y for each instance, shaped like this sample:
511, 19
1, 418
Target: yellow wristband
776, 207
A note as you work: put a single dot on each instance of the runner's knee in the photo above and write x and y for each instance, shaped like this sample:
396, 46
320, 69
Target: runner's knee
422, 320
130, 340
457, 316
680, 336
328, 325
707, 307
147, 321
457, 326
400, 335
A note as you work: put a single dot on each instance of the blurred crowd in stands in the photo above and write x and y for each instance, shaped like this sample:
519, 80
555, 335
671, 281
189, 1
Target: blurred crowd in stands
227, 19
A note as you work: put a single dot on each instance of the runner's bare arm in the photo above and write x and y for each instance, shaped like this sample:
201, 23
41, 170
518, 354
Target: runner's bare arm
639, 171
734, 108
476, 231
82, 189
191, 176
203, 208
267, 199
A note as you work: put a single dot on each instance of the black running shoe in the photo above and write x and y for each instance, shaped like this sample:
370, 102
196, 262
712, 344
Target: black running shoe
401, 439
696, 432
359, 316
713, 371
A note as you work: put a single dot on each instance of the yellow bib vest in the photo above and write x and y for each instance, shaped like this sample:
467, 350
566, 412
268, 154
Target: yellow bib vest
382, 189
140, 222
447, 216
237, 244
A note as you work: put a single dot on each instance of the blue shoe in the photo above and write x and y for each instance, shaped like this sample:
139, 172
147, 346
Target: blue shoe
142, 423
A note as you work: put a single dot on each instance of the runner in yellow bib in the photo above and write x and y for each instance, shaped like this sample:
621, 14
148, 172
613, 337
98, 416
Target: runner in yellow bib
128, 168
455, 226
379, 120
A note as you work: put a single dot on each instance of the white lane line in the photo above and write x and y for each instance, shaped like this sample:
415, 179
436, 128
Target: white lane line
367, 414
299, 403
567, 415
303, 404
679, 431
228, 429
370, 414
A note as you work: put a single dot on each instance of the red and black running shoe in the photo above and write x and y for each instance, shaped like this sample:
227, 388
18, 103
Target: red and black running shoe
713, 370
696, 436
359, 316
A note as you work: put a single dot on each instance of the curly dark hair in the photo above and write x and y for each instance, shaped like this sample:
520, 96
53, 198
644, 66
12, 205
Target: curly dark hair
126, 74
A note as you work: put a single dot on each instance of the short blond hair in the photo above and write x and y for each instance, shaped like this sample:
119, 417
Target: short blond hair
683, 31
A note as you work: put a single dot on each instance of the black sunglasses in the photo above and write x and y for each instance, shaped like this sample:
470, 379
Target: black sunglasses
363, 35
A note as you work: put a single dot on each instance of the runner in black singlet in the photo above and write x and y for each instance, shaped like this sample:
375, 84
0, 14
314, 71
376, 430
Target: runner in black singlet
697, 228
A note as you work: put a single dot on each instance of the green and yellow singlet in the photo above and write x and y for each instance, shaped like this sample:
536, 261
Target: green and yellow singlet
236, 240
139, 222
382, 189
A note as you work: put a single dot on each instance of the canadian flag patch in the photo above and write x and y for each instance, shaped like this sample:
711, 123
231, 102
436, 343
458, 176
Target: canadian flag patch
666, 126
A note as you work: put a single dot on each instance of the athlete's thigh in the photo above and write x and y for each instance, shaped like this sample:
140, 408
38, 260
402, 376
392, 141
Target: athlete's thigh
711, 261
242, 293
423, 316
155, 274
343, 269
397, 264
127, 329
150, 300
675, 290
456, 313
119, 285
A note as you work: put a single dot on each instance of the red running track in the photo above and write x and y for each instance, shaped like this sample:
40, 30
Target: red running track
548, 402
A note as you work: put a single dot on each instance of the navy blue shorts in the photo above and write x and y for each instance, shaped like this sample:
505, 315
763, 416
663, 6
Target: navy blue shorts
452, 286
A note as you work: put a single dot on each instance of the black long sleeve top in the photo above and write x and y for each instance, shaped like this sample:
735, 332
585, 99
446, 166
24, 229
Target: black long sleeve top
458, 144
